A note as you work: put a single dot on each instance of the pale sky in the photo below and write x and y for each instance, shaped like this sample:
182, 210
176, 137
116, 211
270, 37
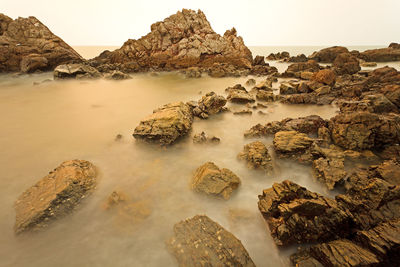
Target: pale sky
259, 22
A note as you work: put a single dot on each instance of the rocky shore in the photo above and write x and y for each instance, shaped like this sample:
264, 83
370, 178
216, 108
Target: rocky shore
355, 154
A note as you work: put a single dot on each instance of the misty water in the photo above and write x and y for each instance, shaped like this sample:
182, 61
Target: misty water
46, 124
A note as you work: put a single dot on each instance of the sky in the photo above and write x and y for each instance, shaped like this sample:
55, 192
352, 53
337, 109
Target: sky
259, 22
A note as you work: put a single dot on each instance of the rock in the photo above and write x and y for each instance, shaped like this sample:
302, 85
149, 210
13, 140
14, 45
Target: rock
202, 138
323, 90
77, 71
192, 72
118, 137
330, 171
200, 241
309, 66
250, 82
264, 85
392, 93
166, 124
117, 75
243, 112
259, 60
264, 95
328, 55
364, 130
325, 76
298, 58
27, 45
239, 94
55, 195
183, 40
368, 64
346, 63
287, 143
388, 170
392, 53
306, 75
257, 157
209, 104
296, 215
278, 56
287, 89
376, 103
210, 180
308, 125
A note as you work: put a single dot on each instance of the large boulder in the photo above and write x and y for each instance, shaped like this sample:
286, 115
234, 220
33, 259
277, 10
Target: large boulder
210, 180
166, 124
296, 215
287, 143
346, 63
199, 241
325, 76
328, 55
364, 130
55, 195
183, 40
391, 53
27, 45
257, 156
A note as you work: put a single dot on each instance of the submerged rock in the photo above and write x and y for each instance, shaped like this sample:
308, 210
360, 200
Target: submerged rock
257, 156
200, 241
202, 138
55, 195
27, 45
211, 180
166, 124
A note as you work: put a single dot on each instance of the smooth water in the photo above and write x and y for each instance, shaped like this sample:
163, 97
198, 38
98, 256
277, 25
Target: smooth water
46, 124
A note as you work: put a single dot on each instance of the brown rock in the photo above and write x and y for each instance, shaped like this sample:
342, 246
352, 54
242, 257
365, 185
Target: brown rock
200, 241
346, 63
381, 54
203, 138
257, 156
328, 55
291, 142
55, 195
210, 180
325, 76
330, 171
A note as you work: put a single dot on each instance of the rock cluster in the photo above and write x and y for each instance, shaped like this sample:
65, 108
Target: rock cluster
199, 241
208, 105
27, 45
55, 195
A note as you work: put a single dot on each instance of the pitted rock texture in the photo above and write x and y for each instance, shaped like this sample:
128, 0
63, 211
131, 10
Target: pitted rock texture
257, 157
183, 40
27, 45
199, 241
55, 195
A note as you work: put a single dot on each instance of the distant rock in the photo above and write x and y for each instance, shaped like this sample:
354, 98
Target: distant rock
210, 180
182, 40
27, 45
76, 71
328, 55
278, 56
200, 241
117, 75
392, 53
55, 195
166, 124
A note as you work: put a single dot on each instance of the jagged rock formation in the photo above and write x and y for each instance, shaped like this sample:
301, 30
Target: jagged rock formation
199, 241
54, 196
27, 45
182, 40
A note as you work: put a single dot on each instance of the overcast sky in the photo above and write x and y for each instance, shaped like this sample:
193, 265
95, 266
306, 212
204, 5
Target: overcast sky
259, 22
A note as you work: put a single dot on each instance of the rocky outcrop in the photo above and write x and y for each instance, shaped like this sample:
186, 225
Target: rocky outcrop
291, 143
210, 180
239, 94
328, 55
296, 215
364, 130
278, 56
308, 125
330, 171
182, 40
55, 195
166, 124
27, 45
391, 53
325, 76
257, 157
208, 105
200, 241
295, 69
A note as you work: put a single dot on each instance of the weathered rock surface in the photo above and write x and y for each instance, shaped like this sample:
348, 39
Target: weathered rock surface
296, 215
325, 76
257, 157
208, 105
210, 180
239, 94
182, 40
166, 124
295, 69
330, 171
289, 143
328, 55
55, 195
76, 71
391, 53
27, 45
364, 130
346, 63
200, 241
